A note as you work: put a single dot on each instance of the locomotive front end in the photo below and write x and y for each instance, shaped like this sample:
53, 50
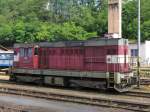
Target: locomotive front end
120, 75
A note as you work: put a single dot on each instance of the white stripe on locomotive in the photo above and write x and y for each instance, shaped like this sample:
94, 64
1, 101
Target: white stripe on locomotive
114, 59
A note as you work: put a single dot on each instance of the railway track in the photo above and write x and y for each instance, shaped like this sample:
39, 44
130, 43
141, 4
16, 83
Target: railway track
11, 109
129, 93
84, 100
138, 94
77, 97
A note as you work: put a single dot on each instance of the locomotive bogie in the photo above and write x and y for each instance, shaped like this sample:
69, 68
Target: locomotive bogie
99, 80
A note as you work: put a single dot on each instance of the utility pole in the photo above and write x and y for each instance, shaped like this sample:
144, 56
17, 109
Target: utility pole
139, 42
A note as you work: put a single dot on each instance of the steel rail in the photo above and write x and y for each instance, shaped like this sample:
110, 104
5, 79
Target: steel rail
138, 94
129, 93
81, 99
11, 109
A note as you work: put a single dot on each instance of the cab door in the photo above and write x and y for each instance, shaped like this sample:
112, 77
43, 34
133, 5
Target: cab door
36, 57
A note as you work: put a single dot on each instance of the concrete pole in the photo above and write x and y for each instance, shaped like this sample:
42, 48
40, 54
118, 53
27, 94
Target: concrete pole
120, 18
139, 42
115, 17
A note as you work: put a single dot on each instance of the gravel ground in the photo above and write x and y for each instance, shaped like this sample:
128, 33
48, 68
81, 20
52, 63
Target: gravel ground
4, 77
42, 105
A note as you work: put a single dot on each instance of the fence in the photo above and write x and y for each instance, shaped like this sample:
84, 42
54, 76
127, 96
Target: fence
144, 67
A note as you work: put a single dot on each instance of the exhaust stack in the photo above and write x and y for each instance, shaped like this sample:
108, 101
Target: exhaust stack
115, 18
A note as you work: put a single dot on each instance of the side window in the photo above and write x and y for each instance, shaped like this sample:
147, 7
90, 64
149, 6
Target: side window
25, 52
36, 51
21, 52
30, 52
134, 52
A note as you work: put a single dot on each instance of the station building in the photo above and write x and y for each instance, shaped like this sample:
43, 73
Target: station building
6, 57
144, 52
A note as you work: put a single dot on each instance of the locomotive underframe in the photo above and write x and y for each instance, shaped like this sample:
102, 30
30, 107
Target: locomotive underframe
101, 80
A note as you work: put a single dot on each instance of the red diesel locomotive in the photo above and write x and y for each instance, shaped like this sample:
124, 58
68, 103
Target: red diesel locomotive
101, 63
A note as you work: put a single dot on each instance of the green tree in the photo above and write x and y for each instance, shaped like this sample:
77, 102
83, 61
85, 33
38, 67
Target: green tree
55, 20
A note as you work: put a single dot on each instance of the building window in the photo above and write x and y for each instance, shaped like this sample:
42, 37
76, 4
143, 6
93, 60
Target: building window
134, 52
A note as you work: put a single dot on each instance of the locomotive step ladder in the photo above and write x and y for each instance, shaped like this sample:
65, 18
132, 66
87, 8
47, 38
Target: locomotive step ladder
110, 81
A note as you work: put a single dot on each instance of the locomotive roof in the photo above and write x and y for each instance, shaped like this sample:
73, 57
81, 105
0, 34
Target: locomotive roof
98, 42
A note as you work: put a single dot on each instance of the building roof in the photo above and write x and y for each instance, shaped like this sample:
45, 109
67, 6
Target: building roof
3, 48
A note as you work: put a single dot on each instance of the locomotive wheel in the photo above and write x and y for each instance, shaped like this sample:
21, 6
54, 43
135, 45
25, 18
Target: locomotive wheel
66, 82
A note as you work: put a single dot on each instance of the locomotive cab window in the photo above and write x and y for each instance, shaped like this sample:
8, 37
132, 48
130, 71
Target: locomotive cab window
30, 52
21, 52
36, 51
